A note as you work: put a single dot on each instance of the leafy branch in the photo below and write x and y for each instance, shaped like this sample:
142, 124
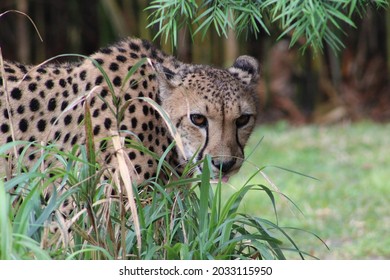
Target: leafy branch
317, 21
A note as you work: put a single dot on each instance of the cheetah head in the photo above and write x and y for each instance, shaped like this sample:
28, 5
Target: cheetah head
214, 110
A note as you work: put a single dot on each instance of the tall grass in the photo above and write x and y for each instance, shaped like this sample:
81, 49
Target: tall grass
186, 218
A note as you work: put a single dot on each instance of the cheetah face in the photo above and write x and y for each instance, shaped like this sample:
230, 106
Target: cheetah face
213, 110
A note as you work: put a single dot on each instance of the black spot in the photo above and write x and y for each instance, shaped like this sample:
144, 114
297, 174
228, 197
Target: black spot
66, 138
133, 84
128, 138
123, 127
107, 123
52, 104
106, 50
34, 105
132, 109
127, 96
141, 137
64, 104
42, 94
96, 130
16, 94
67, 119
146, 175
150, 137
121, 58
49, 84
20, 109
152, 77
145, 110
57, 135
4, 128
146, 44
75, 88
154, 53
23, 125
80, 119
22, 68
134, 46
41, 125
6, 114
138, 168
117, 81
41, 70
32, 87
31, 156
114, 66
145, 84
99, 61
65, 93
74, 140
134, 122
95, 113
12, 78
104, 106
99, 80
88, 86
93, 100
150, 125
103, 145
132, 155
56, 71
134, 55
62, 83
104, 93
144, 127
9, 70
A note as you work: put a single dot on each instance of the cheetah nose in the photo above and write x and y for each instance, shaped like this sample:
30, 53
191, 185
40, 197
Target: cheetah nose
224, 166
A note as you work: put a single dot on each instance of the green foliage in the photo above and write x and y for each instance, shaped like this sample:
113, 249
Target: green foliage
177, 220
314, 20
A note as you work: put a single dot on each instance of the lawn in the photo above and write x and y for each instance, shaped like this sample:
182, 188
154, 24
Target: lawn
348, 206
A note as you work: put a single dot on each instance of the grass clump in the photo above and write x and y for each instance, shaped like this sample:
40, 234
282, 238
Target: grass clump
188, 218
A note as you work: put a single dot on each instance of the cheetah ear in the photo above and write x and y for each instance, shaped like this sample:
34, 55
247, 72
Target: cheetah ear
167, 79
246, 69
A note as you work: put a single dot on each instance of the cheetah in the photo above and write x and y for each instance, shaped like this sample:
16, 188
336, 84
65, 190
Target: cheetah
212, 110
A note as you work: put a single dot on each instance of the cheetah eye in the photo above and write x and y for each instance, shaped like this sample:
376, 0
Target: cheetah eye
242, 120
198, 120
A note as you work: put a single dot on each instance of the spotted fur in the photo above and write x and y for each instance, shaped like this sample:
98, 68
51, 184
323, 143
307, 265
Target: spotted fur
212, 109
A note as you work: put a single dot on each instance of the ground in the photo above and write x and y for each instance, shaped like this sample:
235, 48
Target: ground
347, 206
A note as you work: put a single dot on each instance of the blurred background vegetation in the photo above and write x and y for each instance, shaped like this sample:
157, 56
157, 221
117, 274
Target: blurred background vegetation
349, 207
325, 87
